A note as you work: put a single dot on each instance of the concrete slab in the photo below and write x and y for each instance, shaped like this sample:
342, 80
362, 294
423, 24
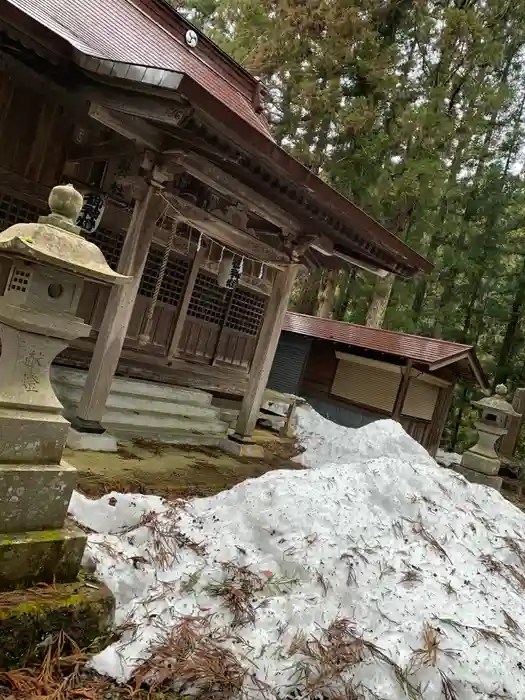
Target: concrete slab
91, 442
35, 497
83, 609
41, 556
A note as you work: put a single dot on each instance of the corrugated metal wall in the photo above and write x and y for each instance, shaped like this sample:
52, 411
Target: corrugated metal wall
349, 416
289, 363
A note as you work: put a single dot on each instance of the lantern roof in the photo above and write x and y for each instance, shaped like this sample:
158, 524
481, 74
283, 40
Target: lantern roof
497, 403
55, 240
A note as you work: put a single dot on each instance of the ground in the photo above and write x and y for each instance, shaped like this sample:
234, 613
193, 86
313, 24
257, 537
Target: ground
175, 472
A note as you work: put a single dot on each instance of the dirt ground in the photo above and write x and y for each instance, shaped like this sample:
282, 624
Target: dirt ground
174, 471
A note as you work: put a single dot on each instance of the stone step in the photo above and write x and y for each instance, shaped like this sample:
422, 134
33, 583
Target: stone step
116, 420
121, 403
148, 410
43, 556
167, 437
65, 376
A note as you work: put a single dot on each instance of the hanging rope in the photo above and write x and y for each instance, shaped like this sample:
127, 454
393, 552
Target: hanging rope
144, 337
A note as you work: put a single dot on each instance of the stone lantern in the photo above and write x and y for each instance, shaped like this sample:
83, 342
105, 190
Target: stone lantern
49, 262
481, 463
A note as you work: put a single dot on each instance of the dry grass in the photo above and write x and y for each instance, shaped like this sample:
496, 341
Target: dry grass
191, 655
237, 591
411, 576
166, 537
431, 649
512, 626
447, 687
59, 677
510, 573
42, 592
324, 663
480, 633
516, 548
428, 654
418, 528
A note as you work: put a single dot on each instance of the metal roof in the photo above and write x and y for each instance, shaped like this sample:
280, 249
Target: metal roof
122, 31
143, 40
432, 352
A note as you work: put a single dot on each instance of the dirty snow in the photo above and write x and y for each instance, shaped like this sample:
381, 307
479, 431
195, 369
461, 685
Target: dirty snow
373, 531
448, 458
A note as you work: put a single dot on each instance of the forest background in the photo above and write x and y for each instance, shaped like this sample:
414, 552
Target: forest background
415, 110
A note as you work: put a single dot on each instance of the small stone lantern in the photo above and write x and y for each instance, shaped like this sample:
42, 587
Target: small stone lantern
481, 463
50, 261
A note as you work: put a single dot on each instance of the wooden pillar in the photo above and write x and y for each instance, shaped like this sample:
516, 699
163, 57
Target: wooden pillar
182, 311
402, 392
264, 353
118, 313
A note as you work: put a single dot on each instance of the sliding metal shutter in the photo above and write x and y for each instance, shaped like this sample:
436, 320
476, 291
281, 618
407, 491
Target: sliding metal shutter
420, 399
366, 385
289, 362
373, 386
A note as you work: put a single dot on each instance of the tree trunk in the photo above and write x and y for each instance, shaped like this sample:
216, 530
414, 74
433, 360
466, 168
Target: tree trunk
511, 332
375, 315
326, 298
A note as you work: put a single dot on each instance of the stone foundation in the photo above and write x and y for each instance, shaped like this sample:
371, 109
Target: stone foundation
43, 556
475, 477
30, 618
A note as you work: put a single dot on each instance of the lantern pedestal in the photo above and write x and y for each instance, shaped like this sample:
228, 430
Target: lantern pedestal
38, 545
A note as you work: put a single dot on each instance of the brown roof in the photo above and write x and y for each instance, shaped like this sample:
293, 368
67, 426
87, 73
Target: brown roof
432, 352
125, 32
142, 34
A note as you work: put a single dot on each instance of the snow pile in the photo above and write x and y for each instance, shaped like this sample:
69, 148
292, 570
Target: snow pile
448, 458
375, 569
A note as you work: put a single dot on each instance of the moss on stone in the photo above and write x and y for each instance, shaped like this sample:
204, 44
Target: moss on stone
82, 609
37, 536
42, 556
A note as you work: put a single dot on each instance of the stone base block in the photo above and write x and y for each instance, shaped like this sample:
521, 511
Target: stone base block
480, 463
242, 449
92, 442
35, 497
478, 477
33, 437
43, 556
30, 618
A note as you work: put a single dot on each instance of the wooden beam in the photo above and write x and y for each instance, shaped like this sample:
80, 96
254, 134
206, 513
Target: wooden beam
219, 180
165, 110
225, 233
402, 391
118, 312
184, 304
101, 151
269, 335
132, 128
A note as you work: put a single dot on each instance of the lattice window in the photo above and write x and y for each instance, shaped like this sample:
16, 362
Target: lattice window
109, 242
246, 312
173, 282
208, 301
13, 210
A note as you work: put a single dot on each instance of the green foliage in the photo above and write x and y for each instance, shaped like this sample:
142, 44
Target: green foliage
414, 110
